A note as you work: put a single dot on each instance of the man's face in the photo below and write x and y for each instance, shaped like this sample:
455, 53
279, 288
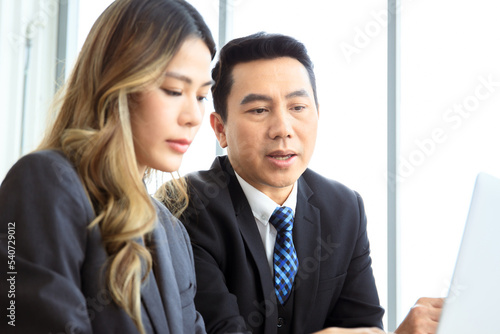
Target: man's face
271, 125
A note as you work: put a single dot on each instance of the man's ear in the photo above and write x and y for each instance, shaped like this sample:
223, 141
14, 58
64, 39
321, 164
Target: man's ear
219, 129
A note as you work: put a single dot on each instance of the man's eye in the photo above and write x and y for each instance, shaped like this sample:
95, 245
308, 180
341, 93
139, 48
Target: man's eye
259, 110
298, 108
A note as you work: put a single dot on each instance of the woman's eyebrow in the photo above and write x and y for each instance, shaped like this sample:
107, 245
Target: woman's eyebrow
185, 78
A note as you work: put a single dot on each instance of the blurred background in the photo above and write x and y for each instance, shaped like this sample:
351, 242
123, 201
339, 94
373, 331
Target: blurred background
409, 109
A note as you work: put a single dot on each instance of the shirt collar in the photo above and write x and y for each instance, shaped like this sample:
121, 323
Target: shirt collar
262, 206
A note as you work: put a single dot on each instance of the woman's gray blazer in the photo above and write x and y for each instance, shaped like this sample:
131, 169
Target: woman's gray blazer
52, 262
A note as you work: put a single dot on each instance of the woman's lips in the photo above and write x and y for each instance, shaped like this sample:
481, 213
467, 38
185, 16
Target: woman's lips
179, 145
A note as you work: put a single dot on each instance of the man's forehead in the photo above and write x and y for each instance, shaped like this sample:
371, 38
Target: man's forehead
269, 66
286, 75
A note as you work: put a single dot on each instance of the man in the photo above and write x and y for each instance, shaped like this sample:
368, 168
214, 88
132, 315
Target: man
307, 268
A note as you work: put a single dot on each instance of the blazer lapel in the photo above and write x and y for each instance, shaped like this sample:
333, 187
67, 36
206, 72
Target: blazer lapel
153, 306
307, 238
163, 276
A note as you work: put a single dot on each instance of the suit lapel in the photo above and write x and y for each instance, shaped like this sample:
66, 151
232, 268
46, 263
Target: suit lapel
306, 236
249, 231
250, 234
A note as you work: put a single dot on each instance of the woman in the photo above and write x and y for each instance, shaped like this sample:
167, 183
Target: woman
88, 249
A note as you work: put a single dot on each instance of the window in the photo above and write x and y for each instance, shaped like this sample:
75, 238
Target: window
450, 103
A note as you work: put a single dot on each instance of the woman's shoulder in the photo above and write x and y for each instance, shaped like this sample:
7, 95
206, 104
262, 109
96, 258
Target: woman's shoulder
45, 169
168, 221
46, 178
164, 215
50, 162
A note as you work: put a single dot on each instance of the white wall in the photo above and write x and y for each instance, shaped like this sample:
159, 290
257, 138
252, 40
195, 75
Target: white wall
347, 42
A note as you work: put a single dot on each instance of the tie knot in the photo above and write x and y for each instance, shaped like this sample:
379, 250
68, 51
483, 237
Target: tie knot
282, 218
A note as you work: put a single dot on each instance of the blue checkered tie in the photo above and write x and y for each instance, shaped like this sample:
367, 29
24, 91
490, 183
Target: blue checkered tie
285, 258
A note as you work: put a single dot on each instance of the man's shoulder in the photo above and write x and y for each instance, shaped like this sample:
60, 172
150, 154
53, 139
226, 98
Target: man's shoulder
318, 181
217, 175
327, 189
214, 198
207, 188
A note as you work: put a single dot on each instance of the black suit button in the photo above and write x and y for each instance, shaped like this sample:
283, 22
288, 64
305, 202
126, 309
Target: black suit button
281, 322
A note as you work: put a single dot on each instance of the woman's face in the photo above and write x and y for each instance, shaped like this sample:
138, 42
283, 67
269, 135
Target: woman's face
165, 119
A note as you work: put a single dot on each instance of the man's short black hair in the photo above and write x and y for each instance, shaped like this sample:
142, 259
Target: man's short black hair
254, 47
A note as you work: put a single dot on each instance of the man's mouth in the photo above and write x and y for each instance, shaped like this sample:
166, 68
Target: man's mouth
282, 157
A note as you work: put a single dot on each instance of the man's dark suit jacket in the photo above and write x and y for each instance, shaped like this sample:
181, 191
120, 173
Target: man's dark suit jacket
334, 285
57, 261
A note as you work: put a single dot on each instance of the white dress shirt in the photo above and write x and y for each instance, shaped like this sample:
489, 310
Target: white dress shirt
262, 208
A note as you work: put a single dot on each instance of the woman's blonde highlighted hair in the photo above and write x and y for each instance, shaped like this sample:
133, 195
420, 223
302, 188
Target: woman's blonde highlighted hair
127, 50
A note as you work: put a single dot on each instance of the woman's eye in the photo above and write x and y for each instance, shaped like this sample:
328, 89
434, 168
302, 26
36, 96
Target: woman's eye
202, 98
171, 92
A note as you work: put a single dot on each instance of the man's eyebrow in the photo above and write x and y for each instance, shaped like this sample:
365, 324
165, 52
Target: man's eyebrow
255, 97
261, 97
297, 93
186, 79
